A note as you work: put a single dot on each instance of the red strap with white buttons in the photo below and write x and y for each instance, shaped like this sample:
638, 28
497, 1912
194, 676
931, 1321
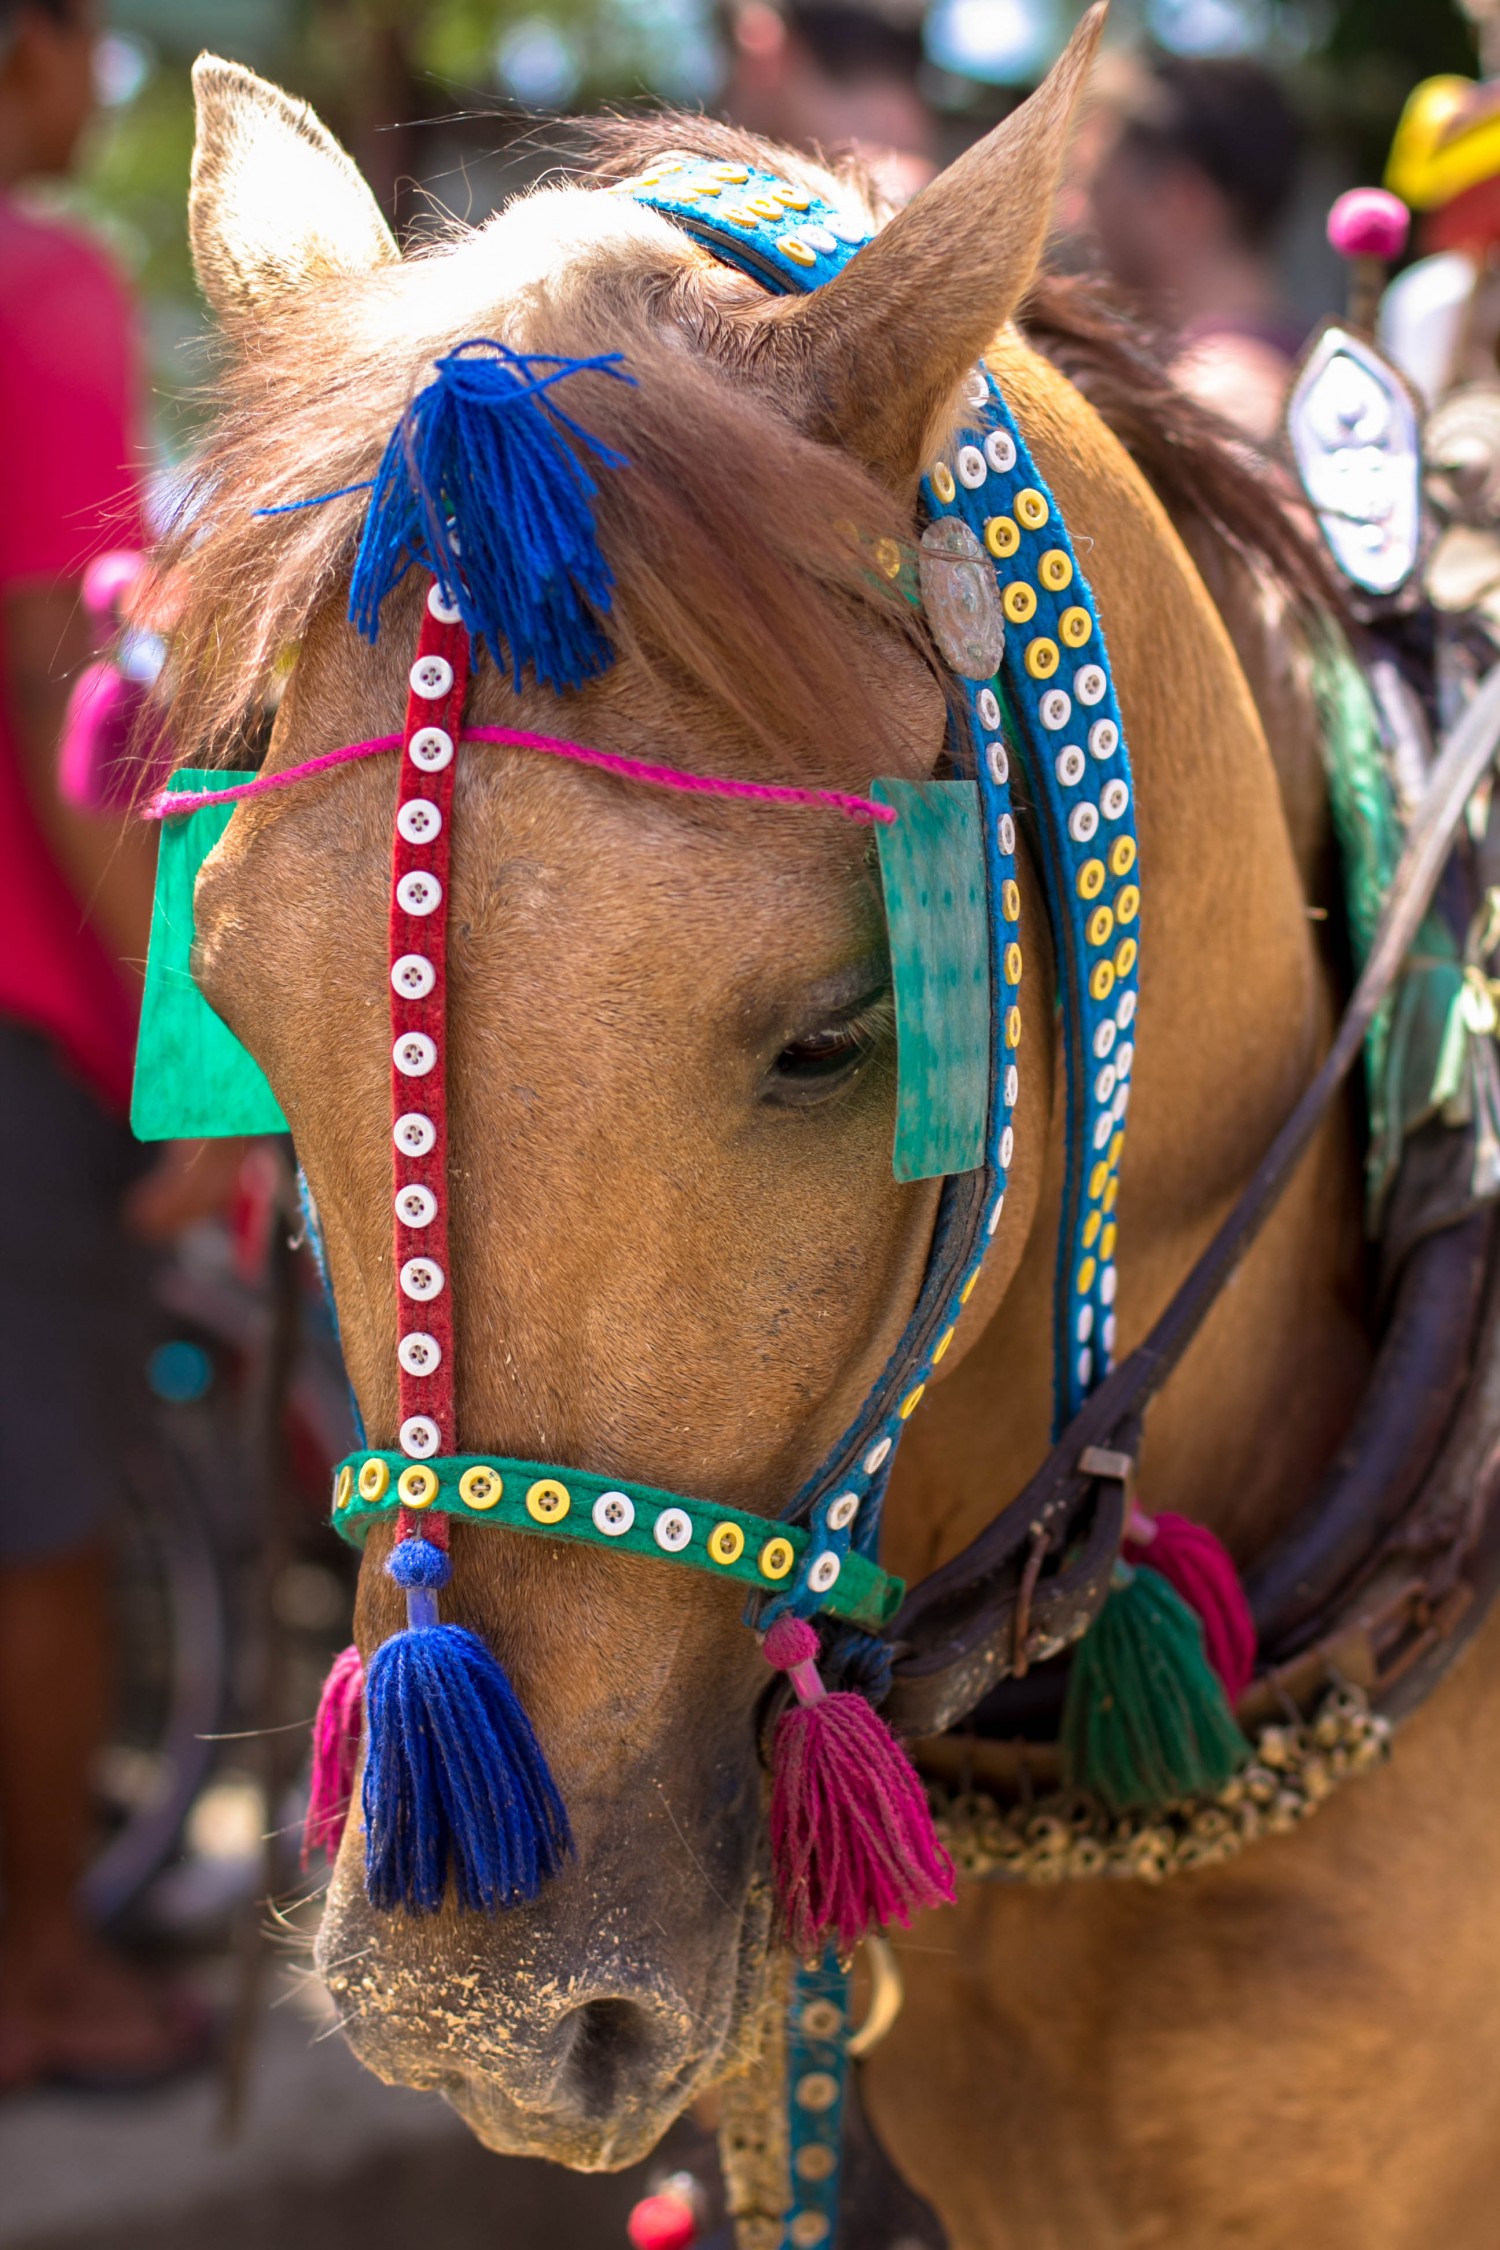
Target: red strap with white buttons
419, 1054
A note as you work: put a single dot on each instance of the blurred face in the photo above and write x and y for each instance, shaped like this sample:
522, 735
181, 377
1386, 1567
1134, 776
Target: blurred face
46, 89
1151, 215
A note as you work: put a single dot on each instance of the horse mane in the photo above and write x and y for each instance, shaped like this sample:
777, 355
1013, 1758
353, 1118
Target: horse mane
741, 549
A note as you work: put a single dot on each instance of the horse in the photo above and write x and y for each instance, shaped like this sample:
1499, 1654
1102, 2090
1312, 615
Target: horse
679, 1250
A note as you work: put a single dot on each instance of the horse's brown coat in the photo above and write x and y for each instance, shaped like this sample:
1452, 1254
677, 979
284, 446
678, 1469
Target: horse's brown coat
658, 1274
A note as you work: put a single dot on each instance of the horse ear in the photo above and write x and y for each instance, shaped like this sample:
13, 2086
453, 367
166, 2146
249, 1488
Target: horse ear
877, 352
275, 203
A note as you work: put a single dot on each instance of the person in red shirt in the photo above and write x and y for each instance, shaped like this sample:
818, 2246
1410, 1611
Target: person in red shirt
82, 1197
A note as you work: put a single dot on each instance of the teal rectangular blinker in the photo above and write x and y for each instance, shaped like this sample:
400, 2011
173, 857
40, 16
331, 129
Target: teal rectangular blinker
936, 908
193, 1079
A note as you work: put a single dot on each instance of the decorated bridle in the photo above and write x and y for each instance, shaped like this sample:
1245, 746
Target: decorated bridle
486, 488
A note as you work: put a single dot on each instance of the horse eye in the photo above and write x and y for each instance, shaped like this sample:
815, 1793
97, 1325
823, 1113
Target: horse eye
818, 1062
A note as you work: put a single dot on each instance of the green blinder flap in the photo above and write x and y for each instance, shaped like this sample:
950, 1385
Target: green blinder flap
932, 867
193, 1079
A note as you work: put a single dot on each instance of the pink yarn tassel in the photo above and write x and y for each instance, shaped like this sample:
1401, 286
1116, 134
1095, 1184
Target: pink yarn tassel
1199, 1567
336, 1732
852, 1839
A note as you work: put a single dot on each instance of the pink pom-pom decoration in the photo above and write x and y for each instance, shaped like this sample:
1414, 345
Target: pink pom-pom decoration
336, 1732
1369, 222
1200, 1568
852, 1840
662, 2222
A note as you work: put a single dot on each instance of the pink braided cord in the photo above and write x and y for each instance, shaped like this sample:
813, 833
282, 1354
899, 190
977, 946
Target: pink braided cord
168, 804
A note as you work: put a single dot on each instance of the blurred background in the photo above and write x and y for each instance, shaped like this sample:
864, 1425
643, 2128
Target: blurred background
218, 2110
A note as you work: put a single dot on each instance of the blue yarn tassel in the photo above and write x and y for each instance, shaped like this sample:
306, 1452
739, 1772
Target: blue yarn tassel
480, 485
455, 1779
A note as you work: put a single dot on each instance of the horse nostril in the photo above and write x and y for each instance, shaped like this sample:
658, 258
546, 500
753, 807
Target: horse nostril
611, 2040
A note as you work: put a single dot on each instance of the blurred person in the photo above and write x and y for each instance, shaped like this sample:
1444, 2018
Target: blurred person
836, 76
82, 1196
1440, 319
1194, 165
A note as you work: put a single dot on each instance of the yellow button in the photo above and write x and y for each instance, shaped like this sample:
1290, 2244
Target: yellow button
1128, 904
1107, 1246
1010, 899
739, 216
1097, 1179
374, 1480
942, 481
764, 207
1102, 980
791, 199
942, 1344
1042, 658
417, 1485
1085, 1277
734, 174
887, 553
1012, 1027
1091, 1226
1018, 602
1074, 627
726, 1543
1031, 509
969, 1287
480, 1487
800, 255
1101, 926
1111, 1195
1055, 570
777, 1557
1091, 878
1115, 1147
1125, 953
1122, 855
911, 1402
1002, 537
548, 1501
343, 1487
1012, 964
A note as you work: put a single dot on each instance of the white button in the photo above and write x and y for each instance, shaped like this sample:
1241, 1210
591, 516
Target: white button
1125, 1060
1125, 1012
414, 1054
422, 1279
419, 820
1005, 833
672, 1530
414, 1135
1089, 683
1107, 1292
824, 1572
977, 389
1104, 1084
420, 1435
1104, 1039
446, 613
876, 1457
413, 976
1104, 738
819, 238
1070, 766
1082, 821
1012, 1085
418, 893
1104, 1126
431, 678
1007, 1148
1085, 1324
987, 703
1000, 451
971, 468
1109, 1330
850, 230
416, 1206
1085, 1367
419, 1353
1054, 710
999, 763
614, 1513
1113, 798
842, 1512
431, 748
993, 1220
1122, 1102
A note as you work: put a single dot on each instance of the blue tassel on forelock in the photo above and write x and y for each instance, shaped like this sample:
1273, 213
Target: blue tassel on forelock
480, 485
455, 1781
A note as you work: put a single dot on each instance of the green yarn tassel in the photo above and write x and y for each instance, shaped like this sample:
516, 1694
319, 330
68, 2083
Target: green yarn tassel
1146, 1722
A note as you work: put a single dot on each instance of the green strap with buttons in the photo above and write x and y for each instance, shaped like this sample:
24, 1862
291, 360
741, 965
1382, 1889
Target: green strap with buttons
605, 1512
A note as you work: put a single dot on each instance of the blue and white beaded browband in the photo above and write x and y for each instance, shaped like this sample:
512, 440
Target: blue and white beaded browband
1051, 701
